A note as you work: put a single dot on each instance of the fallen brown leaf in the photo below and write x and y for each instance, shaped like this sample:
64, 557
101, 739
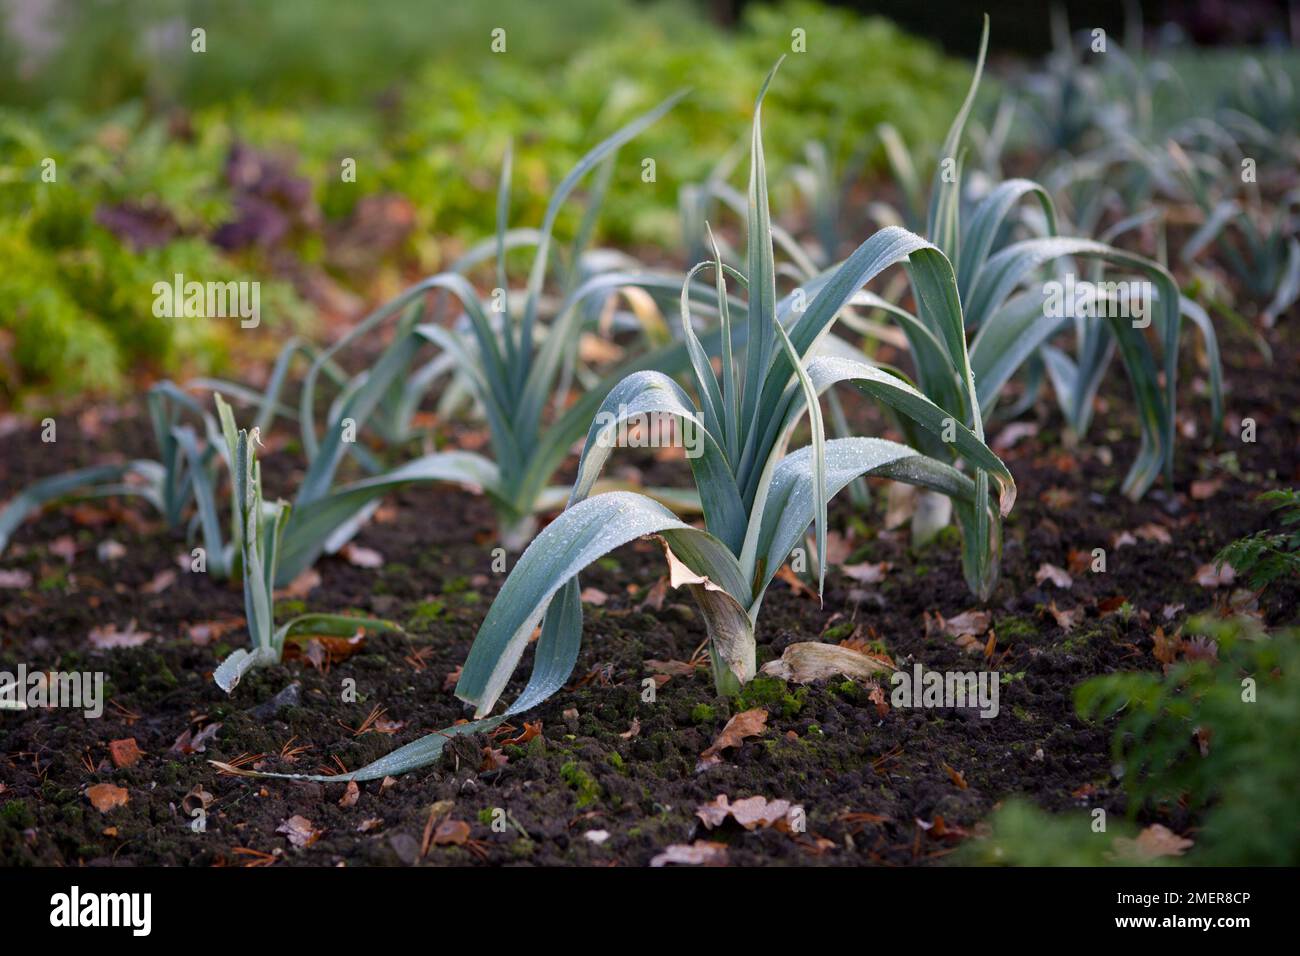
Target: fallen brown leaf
190, 742
205, 632
64, 547
797, 584
451, 833
1013, 433
1154, 532
1065, 620
699, 853
300, 831
877, 697
360, 557
974, 623
808, 661
866, 572
124, 752
107, 796
594, 596
299, 587
16, 579
673, 668
108, 636
1155, 841
1208, 576
749, 723
1050, 572
159, 582
750, 813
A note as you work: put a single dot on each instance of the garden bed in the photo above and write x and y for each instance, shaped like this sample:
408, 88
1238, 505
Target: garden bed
611, 779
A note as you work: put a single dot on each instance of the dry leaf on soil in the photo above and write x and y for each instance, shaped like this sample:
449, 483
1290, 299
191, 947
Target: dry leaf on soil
1050, 572
16, 578
109, 636
866, 572
699, 853
750, 813
749, 723
1208, 576
107, 796
1155, 841
360, 557
299, 830
808, 661
125, 752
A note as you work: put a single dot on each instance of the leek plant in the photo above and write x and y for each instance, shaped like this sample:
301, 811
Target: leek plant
262, 525
1002, 283
1005, 297
758, 498
1265, 256
184, 474
512, 363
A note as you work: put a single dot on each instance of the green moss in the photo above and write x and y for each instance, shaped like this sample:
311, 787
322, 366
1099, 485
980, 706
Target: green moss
426, 612
848, 689
616, 760
17, 814
287, 609
772, 693
53, 581
485, 816
1011, 630
581, 782
703, 714
609, 564
839, 632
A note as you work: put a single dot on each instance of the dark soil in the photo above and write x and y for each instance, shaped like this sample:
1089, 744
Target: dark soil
874, 783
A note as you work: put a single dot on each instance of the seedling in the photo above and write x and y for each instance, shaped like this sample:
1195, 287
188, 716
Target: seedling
262, 526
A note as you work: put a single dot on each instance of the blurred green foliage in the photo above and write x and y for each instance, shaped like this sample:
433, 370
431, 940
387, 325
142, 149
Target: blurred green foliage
76, 302
1216, 733
1268, 556
413, 94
